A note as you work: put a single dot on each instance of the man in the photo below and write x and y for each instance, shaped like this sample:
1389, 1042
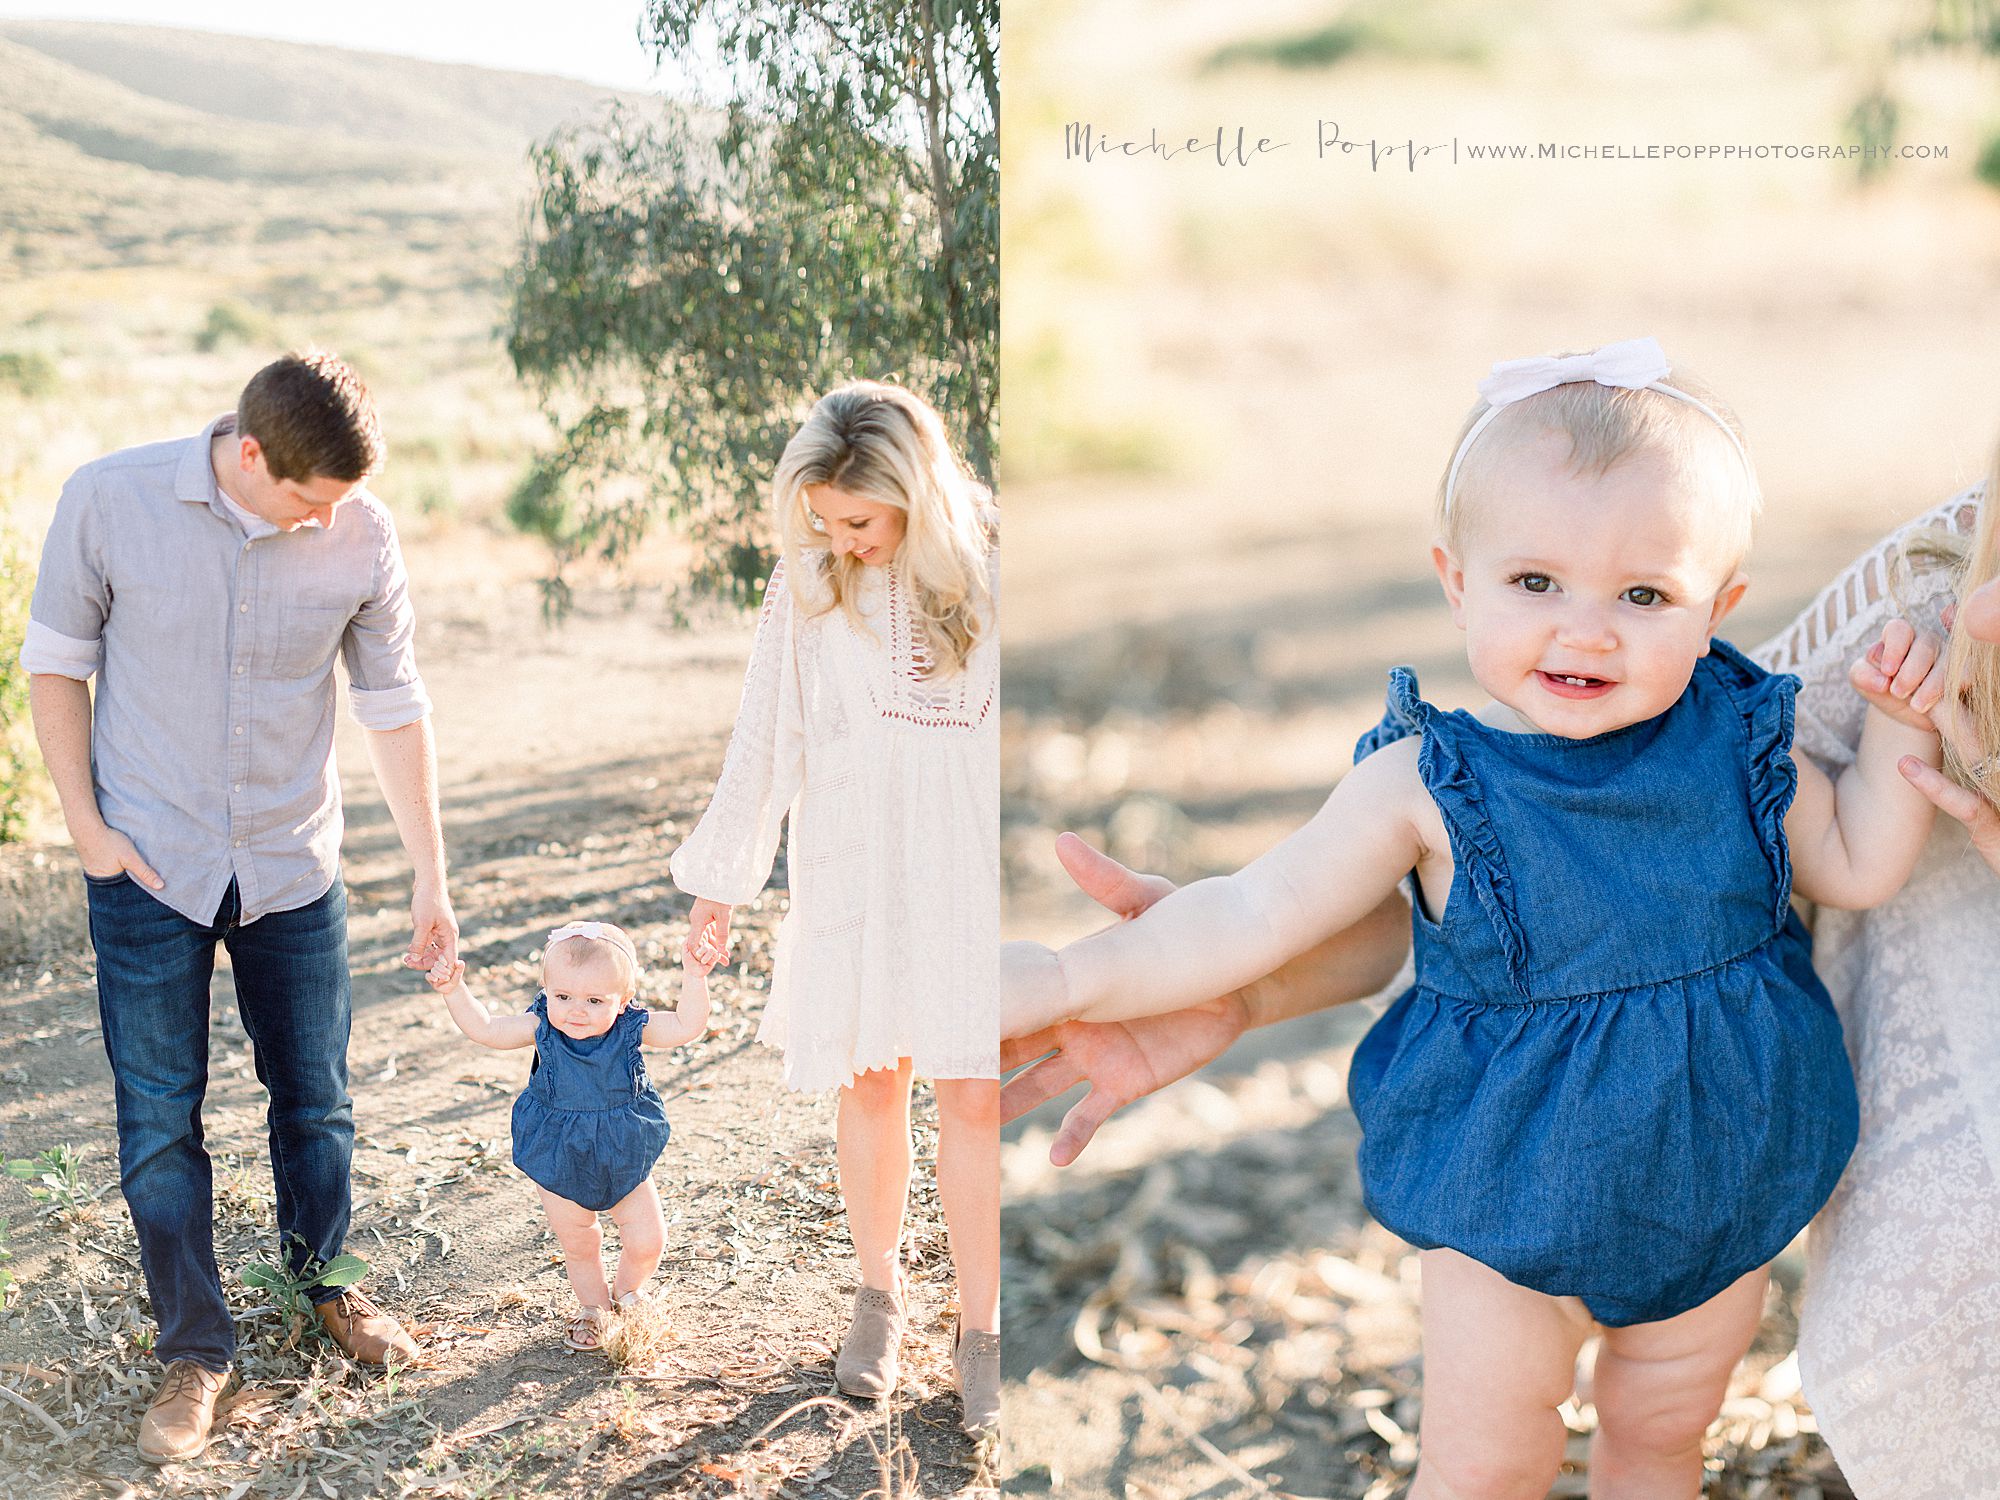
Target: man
208, 583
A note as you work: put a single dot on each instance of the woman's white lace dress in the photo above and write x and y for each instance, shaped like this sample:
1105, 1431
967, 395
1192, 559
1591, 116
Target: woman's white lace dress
1899, 1338
892, 780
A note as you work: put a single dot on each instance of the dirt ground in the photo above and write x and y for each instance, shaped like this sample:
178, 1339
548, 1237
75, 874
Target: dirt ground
572, 761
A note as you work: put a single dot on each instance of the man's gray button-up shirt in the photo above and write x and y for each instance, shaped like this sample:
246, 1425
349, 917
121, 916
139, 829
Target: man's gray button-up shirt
213, 646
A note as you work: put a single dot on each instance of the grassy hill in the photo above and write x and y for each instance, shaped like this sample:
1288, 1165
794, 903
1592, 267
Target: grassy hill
176, 207
121, 144
327, 91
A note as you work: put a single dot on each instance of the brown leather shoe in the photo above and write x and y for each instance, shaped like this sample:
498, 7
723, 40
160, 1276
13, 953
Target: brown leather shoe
364, 1332
179, 1421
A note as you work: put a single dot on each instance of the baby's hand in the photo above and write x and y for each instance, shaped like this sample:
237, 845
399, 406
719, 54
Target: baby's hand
1903, 674
699, 954
444, 976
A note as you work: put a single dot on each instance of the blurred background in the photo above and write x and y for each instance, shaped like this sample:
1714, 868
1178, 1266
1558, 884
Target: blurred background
1232, 392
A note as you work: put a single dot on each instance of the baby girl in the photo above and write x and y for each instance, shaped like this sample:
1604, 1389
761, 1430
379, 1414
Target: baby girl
589, 1125
1616, 1089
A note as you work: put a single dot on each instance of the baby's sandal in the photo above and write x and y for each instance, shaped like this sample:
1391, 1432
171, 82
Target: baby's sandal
587, 1329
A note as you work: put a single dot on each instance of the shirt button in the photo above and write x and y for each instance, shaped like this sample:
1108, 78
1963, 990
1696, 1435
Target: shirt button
238, 786
239, 728
240, 843
243, 609
239, 671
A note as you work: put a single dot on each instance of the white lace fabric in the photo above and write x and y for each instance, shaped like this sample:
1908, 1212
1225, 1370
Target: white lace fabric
1899, 1338
891, 778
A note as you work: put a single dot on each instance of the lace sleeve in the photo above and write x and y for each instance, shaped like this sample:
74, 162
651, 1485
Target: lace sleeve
1820, 645
728, 856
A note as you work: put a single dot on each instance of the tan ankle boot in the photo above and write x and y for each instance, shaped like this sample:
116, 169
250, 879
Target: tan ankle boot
975, 1361
365, 1333
867, 1363
178, 1423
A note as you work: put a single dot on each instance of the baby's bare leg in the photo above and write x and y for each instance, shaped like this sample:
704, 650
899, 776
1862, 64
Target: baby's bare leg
1498, 1360
1658, 1386
642, 1235
582, 1247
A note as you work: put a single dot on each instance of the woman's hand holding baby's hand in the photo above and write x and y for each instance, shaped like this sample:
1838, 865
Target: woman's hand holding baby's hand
708, 932
1902, 675
699, 954
445, 975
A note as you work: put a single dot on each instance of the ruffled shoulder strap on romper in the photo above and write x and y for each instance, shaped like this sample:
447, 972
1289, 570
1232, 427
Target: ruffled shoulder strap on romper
1448, 775
1765, 704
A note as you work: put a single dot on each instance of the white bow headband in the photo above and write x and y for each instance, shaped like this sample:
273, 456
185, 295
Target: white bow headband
1634, 365
602, 931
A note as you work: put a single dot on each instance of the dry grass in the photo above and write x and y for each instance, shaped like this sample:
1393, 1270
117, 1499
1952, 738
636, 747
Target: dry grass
641, 1336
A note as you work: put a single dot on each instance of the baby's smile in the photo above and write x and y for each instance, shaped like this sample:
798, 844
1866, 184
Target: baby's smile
1586, 599
1575, 685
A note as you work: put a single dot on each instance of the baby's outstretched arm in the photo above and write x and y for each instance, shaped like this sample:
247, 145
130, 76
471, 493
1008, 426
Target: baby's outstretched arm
1855, 840
689, 1019
471, 1014
1217, 934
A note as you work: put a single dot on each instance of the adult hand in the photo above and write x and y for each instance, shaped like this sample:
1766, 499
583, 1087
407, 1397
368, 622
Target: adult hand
105, 852
1974, 809
1120, 1060
708, 923
433, 928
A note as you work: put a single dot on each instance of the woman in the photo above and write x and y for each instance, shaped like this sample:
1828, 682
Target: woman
1900, 1335
870, 712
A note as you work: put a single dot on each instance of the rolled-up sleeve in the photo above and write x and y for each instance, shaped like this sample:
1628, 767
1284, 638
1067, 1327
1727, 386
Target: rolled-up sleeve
65, 635
383, 686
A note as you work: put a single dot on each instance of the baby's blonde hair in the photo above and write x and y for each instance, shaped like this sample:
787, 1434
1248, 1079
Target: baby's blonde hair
1605, 426
619, 952
888, 445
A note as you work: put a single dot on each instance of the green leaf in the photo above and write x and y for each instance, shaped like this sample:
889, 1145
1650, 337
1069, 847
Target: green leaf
342, 1270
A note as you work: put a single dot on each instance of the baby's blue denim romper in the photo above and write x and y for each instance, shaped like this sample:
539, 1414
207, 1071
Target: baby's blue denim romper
1617, 1077
589, 1125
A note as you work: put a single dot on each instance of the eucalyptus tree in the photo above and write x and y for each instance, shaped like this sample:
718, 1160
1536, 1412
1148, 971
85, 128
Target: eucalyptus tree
692, 278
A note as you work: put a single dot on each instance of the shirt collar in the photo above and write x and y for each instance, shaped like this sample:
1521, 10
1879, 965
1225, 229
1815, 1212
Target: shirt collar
195, 482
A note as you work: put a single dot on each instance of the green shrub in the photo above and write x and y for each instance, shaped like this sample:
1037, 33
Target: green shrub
27, 374
1411, 33
227, 323
1989, 161
17, 582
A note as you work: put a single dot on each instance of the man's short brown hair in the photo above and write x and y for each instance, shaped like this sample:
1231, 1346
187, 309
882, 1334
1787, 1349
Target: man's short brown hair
314, 418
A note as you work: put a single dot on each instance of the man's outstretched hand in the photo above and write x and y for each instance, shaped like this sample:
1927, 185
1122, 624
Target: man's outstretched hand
1119, 1060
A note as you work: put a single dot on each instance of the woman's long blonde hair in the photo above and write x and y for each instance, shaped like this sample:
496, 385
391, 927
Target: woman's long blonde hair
888, 445
1972, 666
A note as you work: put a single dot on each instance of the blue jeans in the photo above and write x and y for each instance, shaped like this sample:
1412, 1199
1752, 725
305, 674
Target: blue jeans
292, 990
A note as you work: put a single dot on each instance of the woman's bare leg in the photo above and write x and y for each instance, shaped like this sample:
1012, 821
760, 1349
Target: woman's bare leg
968, 1170
872, 1133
